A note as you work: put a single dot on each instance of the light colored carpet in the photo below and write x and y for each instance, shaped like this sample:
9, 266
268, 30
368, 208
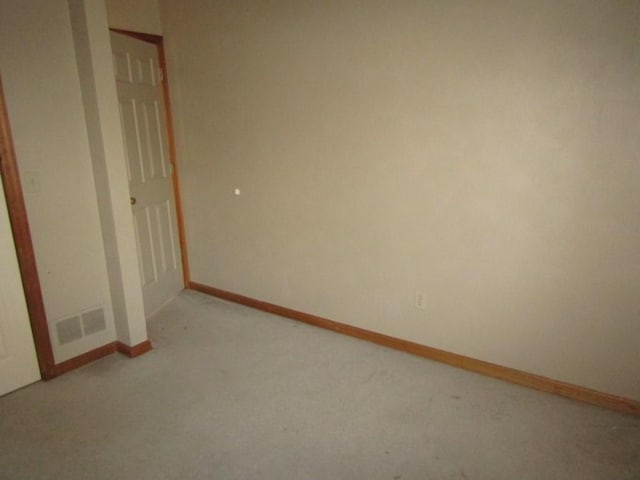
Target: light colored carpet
232, 393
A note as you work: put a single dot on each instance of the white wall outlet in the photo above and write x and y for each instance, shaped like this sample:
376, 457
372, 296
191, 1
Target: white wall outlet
420, 301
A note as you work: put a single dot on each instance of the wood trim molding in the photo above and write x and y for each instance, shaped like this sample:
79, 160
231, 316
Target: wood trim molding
24, 246
173, 153
145, 37
508, 374
98, 353
134, 351
85, 358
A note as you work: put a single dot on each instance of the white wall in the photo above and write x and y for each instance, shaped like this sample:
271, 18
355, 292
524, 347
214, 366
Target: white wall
41, 82
485, 153
137, 16
102, 115
43, 89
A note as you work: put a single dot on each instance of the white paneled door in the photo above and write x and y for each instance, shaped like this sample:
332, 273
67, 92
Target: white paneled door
139, 84
18, 362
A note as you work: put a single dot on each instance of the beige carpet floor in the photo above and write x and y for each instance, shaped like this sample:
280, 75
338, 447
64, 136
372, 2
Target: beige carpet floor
233, 393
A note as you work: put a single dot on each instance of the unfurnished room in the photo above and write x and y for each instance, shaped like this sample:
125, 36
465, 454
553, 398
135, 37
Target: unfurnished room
340, 239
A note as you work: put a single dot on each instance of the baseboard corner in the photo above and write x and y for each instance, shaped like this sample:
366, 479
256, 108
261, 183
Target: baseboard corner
135, 350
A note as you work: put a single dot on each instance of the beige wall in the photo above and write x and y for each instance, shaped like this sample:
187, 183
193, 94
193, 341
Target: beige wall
40, 76
138, 16
55, 58
102, 116
484, 153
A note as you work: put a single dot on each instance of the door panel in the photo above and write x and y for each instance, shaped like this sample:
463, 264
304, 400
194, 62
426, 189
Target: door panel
143, 121
145, 247
18, 362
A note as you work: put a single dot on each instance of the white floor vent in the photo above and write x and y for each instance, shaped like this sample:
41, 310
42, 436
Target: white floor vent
74, 328
69, 330
93, 321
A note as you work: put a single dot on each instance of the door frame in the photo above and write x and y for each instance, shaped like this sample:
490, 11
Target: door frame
23, 244
158, 41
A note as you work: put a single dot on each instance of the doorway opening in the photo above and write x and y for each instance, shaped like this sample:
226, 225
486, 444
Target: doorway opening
145, 113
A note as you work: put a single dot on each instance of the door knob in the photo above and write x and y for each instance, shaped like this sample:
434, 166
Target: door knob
132, 200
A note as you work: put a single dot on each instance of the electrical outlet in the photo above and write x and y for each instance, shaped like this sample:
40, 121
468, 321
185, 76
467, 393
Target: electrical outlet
420, 301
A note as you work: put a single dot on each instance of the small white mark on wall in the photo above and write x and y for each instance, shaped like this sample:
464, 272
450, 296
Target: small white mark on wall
31, 180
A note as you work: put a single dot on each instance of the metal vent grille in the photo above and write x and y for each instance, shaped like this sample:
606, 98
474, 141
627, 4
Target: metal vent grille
75, 328
69, 330
93, 321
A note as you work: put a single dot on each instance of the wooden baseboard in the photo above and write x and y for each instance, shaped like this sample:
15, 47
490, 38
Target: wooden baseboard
512, 375
97, 353
85, 358
134, 351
